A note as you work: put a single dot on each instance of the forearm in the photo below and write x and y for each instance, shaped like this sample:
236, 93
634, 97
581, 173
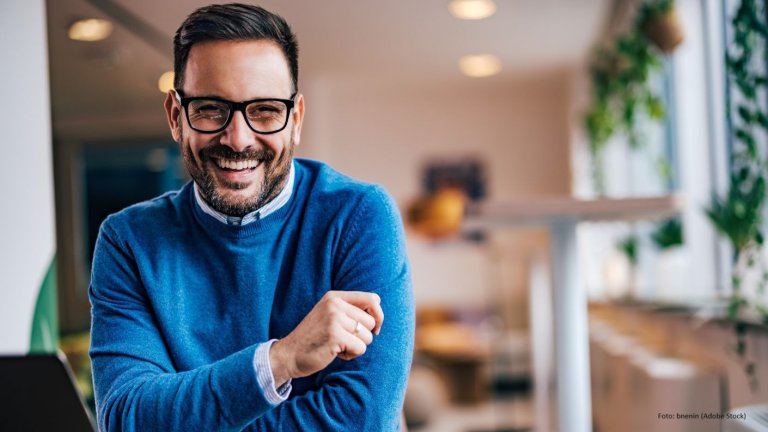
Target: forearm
221, 396
368, 399
333, 408
363, 394
140, 382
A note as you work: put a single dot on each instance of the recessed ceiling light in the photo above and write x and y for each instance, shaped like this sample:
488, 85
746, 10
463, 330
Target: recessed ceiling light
481, 65
472, 9
165, 83
90, 30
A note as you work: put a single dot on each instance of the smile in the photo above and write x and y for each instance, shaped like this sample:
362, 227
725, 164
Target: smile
237, 165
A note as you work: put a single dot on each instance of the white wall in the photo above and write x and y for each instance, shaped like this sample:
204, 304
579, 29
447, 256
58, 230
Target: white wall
27, 216
386, 132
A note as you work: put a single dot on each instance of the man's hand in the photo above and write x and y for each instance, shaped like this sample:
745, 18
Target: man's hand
330, 330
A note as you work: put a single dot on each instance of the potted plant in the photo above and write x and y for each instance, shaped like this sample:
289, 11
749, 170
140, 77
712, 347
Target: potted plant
668, 234
671, 261
661, 24
738, 217
621, 92
628, 246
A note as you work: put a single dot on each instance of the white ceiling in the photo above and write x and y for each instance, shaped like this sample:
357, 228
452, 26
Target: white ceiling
394, 41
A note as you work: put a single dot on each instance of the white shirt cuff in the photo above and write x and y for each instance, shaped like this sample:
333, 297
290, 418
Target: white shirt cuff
264, 375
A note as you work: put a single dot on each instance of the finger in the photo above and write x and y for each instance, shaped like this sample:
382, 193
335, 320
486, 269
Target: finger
360, 331
357, 314
339, 304
369, 302
360, 299
353, 347
363, 334
378, 314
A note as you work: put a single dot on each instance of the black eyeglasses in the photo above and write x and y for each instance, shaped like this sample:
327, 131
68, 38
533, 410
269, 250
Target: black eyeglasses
211, 114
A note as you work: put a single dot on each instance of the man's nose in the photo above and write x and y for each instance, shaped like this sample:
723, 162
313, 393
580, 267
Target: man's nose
238, 135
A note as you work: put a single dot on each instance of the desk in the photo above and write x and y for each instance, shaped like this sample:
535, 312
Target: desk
561, 215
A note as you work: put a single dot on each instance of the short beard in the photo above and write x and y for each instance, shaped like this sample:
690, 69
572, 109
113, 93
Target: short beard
276, 173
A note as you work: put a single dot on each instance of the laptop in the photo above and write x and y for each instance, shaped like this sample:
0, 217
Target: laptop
38, 393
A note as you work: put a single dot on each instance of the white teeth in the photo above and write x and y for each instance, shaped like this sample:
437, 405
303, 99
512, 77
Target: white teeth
237, 165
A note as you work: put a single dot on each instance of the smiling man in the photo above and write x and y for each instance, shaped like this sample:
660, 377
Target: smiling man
254, 297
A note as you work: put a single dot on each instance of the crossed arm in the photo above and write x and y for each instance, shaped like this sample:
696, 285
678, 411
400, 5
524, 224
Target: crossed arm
359, 370
340, 325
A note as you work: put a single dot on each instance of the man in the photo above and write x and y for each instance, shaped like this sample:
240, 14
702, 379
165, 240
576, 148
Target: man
253, 297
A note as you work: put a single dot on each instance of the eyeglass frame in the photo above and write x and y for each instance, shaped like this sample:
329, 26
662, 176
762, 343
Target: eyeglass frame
233, 108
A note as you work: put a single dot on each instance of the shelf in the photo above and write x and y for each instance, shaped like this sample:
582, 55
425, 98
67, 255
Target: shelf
553, 209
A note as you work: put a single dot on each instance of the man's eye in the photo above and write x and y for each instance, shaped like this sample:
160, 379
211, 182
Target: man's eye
211, 111
262, 109
210, 108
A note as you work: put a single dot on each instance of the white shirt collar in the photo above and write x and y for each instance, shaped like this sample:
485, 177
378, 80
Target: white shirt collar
280, 200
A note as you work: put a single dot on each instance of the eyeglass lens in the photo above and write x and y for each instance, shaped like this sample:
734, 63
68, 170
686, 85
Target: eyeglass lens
211, 115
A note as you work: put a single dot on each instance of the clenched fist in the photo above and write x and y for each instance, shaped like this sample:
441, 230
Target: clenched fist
341, 324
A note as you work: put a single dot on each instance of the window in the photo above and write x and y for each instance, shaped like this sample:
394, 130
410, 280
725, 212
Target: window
693, 142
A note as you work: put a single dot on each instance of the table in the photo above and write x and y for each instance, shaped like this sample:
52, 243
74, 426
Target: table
561, 215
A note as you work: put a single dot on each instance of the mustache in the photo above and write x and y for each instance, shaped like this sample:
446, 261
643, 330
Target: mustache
223, 152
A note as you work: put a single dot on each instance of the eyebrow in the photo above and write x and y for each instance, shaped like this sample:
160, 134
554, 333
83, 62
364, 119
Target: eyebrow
215, 96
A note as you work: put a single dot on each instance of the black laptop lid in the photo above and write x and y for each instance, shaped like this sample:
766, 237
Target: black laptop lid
37, 393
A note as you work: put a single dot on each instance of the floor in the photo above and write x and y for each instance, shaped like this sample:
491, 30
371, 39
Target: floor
509, 415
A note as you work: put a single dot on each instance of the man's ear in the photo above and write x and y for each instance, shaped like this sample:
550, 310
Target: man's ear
298, 118
173, 115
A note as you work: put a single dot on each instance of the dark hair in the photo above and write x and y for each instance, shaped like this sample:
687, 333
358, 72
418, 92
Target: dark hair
234, 21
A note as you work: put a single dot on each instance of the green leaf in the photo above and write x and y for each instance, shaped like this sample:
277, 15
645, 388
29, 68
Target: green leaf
664, 168
655, 107
746, 114
748, 140
733, 312
628, 246
668, 234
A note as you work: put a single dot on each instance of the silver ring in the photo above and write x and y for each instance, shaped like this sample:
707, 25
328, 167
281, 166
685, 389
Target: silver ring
358, 326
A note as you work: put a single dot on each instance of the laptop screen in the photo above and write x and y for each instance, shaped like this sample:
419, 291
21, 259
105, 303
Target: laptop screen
38, 393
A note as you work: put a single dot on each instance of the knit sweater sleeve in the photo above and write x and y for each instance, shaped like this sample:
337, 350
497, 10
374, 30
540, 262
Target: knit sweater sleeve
365, 394
137, 387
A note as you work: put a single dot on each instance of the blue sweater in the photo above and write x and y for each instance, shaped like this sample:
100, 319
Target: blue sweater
180, 302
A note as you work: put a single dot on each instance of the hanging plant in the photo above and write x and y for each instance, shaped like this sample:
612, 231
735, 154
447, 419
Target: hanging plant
661, 24
737, 215
621, 90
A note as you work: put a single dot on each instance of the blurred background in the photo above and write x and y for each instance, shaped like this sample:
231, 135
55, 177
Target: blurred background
582, 183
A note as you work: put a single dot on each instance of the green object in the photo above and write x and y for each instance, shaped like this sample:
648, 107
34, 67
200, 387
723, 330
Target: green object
45, 322
621, 91
738, 215
628, 246
652, 8
668, 234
